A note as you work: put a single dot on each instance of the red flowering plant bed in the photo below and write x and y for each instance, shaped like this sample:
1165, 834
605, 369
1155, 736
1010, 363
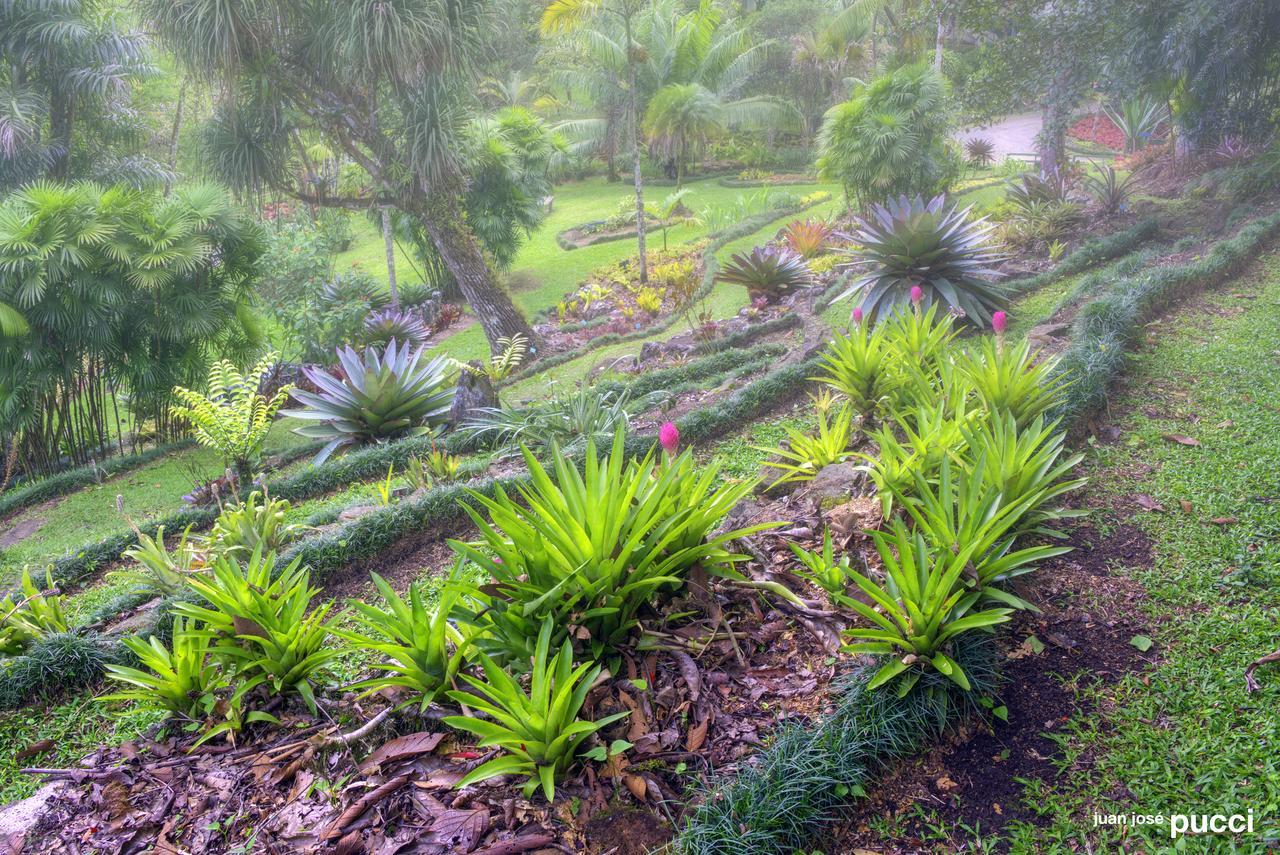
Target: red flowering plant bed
1098, 128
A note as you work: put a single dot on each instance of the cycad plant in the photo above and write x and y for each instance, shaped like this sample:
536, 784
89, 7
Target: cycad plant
424, 650
383, 395
539, 730
232, 417
980, 151
910, 250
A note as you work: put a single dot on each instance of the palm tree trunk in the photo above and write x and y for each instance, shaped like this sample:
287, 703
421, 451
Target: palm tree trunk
389, 240
173, 137
443, 219
635, 157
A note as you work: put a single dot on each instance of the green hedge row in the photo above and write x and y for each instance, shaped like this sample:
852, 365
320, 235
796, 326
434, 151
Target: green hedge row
711, 266
57, 664
698, 374
784, 797
750, 334
1107, 326
1089, 254
71, 480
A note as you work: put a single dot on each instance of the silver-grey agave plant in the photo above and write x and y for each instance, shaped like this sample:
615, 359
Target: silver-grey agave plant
386, 394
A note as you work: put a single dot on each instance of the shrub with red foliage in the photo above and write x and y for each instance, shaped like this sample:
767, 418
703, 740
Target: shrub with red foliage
1098, 128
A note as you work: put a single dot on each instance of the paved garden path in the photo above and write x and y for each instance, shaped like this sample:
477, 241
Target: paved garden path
1014, 134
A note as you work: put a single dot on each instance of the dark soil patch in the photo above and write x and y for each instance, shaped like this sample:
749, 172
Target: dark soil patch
1090, 613
21, 530
400, 564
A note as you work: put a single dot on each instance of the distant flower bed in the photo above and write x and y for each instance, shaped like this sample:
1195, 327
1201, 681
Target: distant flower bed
1098, 128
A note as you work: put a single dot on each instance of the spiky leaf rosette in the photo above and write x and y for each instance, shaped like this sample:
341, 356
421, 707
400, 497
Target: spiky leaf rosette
766, 271
910, 242
387, 394
391, 325
980, 151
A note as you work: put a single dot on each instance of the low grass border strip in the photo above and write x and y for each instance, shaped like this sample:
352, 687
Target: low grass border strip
1105, 328
1089, 254
785, 796
70, 480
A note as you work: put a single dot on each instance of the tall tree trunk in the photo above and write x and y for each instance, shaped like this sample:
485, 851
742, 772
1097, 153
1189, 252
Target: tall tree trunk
389, 240
173, 137
938, 39
635, 156
443, 219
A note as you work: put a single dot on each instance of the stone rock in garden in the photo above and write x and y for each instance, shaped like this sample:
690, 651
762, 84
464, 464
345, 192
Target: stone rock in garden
19, 818
356, 511
650, 352
834, 485
475, 391
139, 620
1044, 335
856, 515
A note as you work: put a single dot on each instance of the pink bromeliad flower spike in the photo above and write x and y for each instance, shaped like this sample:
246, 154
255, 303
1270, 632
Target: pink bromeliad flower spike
857, 315
917, 294
999, 322
669, 438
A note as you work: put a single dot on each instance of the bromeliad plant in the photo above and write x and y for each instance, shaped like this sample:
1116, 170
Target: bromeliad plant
158, 570
590, 549
255, 525
425, 651
920, 609
1027, 466
907, 244
980, 151
767, 272
539, 731
803, 455
823, 570
232, 417
35, 614
187, 682
1008, 379
862, 366
382, 396
965, 510
808, 238
263, 624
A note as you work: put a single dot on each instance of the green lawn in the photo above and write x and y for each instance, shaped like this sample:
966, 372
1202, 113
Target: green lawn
1186, 737
150, 491
551, 271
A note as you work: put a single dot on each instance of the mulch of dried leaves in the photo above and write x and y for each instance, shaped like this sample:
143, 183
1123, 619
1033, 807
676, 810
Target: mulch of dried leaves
703, 693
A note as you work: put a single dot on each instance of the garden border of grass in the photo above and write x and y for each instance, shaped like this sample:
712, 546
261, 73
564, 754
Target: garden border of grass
752, 183
1105, 328
1089, 254
711, 267
69, 480
360, 465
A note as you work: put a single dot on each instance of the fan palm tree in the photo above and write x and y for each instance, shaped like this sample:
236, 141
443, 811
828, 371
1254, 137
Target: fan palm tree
64, 66
123, 295
565, 16
387, 83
